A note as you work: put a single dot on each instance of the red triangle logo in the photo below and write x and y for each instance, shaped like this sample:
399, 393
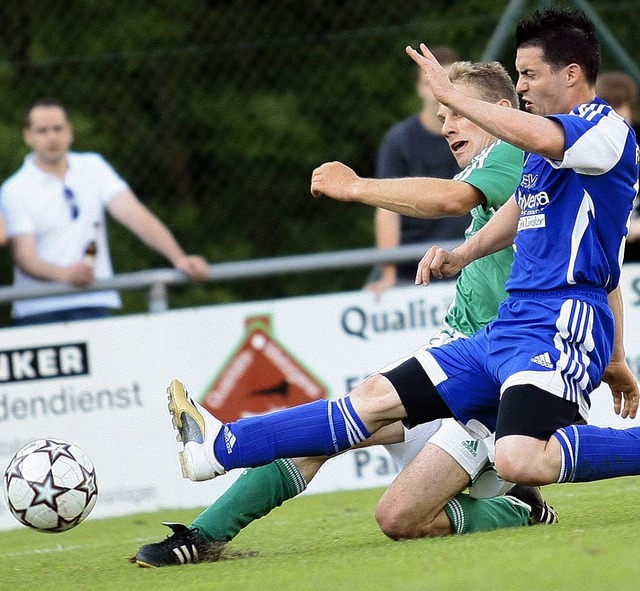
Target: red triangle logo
261, 377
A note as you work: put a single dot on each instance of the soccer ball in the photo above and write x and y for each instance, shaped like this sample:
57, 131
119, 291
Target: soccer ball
50, 485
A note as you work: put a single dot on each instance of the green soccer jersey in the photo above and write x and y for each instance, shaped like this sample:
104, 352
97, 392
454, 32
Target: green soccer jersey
496, 172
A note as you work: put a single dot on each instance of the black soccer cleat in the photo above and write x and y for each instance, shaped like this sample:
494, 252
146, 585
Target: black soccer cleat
540, 510
184, 546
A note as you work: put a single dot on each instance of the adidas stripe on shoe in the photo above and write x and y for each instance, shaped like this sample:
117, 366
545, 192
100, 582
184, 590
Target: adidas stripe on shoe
184, 546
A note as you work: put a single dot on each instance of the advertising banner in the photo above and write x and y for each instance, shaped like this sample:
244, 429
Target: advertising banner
102, 384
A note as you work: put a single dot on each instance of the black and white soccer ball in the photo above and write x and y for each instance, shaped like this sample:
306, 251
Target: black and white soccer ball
50, 485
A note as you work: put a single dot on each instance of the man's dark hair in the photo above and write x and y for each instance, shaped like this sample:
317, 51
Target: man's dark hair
565, 37
43, 102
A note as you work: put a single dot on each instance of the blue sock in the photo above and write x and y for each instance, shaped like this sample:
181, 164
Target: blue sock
596, 453
324, 427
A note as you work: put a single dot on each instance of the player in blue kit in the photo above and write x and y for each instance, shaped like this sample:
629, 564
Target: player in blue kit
530, 372
555, 338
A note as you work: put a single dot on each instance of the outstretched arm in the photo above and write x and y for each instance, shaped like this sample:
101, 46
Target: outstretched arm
133, 214
526, 131
420, 197
497, 234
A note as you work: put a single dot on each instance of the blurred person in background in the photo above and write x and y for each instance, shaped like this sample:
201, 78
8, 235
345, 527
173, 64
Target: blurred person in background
621, 92
54, 209
414, 147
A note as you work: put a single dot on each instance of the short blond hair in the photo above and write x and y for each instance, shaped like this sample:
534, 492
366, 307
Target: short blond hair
490, 79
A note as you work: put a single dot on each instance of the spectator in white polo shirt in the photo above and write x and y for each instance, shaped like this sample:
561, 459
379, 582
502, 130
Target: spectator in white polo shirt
54, 208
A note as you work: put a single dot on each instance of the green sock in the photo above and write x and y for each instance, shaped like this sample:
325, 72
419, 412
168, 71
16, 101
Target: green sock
469, 515
254, 494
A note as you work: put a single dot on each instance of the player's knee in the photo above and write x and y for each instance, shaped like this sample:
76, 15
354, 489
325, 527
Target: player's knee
399, 524
516, 467
375, 387
392, 523
376, 401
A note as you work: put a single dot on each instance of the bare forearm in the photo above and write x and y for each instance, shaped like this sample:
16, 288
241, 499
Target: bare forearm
617, 307
138, 218
39, 269
422, 197
387, 225
25, 255
417, 197
529, 132
496, 235
158, 237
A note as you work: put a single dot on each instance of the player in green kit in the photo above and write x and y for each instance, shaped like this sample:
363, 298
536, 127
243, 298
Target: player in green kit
439, 459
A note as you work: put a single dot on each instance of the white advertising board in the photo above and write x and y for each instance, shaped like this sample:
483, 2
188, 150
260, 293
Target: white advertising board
101, 384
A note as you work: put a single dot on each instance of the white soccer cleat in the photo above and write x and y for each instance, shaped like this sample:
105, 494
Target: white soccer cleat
197, 430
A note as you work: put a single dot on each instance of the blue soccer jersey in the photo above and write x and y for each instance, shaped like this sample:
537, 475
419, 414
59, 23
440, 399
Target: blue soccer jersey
574, 213
555, 330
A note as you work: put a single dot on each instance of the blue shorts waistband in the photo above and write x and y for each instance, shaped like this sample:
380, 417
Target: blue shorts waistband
592, 293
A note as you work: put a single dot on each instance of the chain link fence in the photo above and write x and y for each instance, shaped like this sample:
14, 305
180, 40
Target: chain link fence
217, 111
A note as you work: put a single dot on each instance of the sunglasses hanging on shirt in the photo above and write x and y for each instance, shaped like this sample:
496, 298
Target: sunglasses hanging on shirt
70, 198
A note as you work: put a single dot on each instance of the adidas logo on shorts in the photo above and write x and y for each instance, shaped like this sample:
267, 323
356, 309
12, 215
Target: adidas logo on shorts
543, 359
471, 446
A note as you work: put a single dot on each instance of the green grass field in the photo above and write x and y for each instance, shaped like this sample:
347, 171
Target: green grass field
331, 542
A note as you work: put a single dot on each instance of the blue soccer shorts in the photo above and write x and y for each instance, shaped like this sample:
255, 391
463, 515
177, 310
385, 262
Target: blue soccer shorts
559, 342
